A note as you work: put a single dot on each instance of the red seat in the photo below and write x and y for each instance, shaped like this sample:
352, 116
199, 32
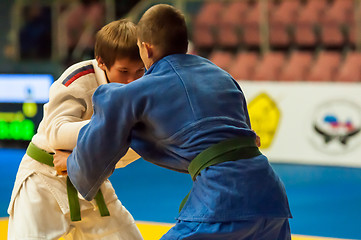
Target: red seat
350, 70
307, 21
243, 66
352, 34
221, 58
251, 36
251, 27
230, 29
270, 66
352, 28
281, 20
325, 67
206, 23
297, 66
336, 18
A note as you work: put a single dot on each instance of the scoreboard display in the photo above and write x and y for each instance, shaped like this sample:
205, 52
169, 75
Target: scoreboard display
22, 97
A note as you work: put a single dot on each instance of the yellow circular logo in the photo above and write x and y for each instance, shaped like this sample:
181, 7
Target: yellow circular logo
264, 115
30, 109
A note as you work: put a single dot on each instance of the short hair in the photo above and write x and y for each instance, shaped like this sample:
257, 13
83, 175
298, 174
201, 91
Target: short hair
164, 26
117, 40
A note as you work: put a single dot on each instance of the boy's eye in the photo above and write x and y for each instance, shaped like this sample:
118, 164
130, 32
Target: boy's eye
123, 71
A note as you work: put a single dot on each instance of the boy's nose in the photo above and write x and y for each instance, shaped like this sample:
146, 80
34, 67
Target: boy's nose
130, 79
133, 78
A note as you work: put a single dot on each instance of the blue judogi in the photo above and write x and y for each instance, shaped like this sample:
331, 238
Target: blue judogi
181, 106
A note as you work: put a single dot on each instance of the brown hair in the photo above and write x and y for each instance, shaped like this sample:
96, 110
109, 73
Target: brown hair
164, 27
115, 40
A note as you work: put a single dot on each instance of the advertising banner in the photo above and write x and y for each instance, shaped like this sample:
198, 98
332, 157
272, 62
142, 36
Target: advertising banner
307, 122
22, 97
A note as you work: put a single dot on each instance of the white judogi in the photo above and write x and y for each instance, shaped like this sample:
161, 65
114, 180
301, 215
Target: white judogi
39, 203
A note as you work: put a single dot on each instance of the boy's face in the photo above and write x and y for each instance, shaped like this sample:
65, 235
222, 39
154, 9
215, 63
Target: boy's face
124, 70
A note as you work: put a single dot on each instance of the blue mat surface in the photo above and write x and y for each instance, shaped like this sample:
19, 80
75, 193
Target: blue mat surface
325, 201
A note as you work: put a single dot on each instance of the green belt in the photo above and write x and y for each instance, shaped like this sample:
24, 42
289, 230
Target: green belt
47, 158
228, 150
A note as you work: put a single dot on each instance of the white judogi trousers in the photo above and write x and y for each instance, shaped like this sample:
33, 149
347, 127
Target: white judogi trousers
39, 209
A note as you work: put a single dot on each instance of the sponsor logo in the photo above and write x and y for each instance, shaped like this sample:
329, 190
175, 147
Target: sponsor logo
265, 117
336, 126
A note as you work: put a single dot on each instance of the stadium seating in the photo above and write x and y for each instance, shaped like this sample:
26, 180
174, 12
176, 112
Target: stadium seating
307, 23
270, 66
282, 21
230, 27
335, 22
242, 68
221, 58
251, 27
297, 66
206, 23
325, 67
352, 27
316, 35
306, 40
350, 70
251, 36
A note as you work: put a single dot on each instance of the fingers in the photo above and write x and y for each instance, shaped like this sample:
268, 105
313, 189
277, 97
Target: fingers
60, 170
258, 141
60, 162
63, 173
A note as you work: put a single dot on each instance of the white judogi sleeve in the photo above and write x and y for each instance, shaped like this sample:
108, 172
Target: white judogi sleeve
69, 107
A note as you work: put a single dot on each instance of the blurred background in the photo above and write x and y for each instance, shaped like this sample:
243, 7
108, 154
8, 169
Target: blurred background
298, 62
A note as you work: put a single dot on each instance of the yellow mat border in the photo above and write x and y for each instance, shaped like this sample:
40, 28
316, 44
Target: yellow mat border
155, 230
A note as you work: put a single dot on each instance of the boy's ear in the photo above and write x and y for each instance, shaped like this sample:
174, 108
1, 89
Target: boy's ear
149, 48
101, 64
